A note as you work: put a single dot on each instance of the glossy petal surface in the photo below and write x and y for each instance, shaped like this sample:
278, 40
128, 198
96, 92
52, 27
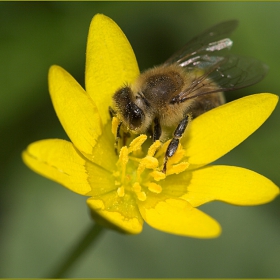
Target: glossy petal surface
110, 62
177, 216
218, 131
235, 185
76, 111
123, 213
59, 161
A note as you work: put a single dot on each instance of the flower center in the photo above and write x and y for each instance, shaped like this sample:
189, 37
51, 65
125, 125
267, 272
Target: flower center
139, 168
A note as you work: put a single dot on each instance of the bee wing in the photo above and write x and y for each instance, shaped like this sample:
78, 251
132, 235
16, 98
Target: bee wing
213, 39
223, 73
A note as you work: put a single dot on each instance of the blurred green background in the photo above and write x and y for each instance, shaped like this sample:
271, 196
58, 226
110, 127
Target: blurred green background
41, 220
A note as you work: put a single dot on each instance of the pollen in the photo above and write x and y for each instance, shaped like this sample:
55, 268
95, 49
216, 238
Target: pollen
137, 143
153, 187
157, 175
139, 167
120, 191
141, 196
153, 148
123, 157
178, 168
147, 162
115, 124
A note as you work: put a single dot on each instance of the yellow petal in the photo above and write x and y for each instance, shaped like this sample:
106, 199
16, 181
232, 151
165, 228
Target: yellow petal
218, 131
177, 216
59, 161
103, 153
110, 62
229, 184
75, 110
118, 211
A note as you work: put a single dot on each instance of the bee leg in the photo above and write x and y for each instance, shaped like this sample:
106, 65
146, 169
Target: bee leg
156, 130
173, 145
112, 113
118, 135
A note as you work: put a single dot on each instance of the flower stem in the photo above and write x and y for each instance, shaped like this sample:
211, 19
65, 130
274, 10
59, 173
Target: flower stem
89, 238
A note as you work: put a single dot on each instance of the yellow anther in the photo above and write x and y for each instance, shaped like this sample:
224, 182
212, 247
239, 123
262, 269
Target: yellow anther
120, 191
138, 191
137, 143
141, 196
115, 124
123, 157
147, 162
132, 160
153, 187
158, 175
153, 148
123, 160
136, 187
177, 168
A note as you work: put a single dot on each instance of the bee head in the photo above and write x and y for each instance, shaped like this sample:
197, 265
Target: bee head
131, 114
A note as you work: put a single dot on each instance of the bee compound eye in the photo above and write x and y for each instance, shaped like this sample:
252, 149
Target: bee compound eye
134, 115
127, 109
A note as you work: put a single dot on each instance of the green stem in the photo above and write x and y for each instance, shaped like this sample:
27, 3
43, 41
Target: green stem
85, 243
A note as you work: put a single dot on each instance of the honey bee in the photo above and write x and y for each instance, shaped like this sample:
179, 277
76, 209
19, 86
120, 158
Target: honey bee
164, 99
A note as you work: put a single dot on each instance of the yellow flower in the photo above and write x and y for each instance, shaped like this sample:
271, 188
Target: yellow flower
129, 188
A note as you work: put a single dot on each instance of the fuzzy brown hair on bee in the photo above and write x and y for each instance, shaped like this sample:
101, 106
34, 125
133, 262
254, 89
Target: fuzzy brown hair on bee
163, 99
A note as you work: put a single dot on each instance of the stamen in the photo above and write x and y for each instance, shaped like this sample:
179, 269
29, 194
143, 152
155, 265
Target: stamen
177, 168
120, 191
137, 172
137, 143
153, 187
158, 175
153, 148
123, 157
136, 187
136, 159
141, 196
123, 160
147, 162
